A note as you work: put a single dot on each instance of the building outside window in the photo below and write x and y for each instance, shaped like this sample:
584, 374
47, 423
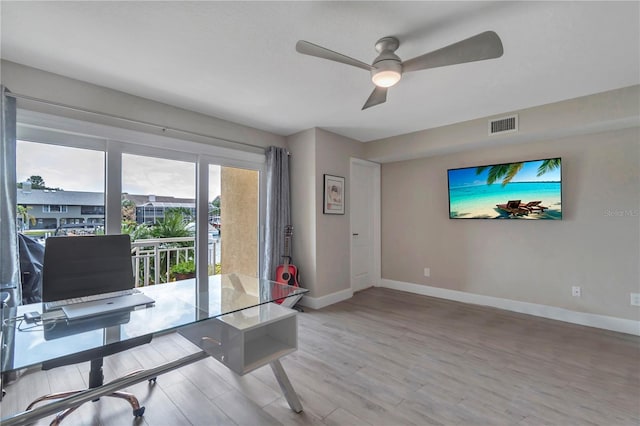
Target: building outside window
92, 210
54, 209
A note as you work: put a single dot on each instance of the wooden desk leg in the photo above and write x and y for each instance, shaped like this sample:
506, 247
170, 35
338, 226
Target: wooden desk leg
285, 385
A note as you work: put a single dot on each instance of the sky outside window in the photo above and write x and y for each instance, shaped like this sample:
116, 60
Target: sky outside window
70, 169
75, 169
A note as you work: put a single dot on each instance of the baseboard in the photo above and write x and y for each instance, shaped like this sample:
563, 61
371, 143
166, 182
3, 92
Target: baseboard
329, 299
551, 312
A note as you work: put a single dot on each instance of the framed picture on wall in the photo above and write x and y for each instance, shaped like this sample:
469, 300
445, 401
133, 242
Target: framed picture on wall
333, 195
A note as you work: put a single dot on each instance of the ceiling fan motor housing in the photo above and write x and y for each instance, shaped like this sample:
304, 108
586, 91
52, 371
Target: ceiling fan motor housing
387, 67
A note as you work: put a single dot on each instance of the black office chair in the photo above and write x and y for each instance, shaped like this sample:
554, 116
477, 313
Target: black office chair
81, 266
31, 254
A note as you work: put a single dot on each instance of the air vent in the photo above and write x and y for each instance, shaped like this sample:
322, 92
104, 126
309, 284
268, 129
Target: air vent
503, 125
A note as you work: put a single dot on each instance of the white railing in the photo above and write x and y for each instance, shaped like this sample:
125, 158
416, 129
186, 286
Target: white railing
153, 258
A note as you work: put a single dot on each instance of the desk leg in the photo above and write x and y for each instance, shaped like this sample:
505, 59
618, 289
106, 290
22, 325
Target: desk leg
285, 385
290, 301
96, 376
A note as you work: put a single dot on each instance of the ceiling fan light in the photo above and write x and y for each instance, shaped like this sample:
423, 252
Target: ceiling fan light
386, 73
385, 78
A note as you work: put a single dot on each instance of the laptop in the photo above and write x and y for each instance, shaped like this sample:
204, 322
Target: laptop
87, 276
102, 306
54, 329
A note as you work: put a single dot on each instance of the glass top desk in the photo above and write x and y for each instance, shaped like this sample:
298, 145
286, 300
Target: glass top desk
205, 314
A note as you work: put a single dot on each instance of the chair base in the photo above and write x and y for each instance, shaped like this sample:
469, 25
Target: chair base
138, 411
96, 379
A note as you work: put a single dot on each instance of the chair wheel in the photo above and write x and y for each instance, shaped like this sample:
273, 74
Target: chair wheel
139, 412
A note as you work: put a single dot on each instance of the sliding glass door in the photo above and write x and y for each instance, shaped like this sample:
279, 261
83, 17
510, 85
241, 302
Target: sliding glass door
193, 212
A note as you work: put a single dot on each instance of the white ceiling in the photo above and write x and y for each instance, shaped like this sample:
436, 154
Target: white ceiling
237, 60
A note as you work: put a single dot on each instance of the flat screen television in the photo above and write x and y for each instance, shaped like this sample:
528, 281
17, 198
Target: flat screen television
521, 190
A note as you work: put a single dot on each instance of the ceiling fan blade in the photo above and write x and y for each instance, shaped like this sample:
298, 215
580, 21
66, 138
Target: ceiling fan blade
483, 46
311, 49
377, 97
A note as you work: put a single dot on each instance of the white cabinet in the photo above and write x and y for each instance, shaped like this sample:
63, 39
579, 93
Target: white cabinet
247, 339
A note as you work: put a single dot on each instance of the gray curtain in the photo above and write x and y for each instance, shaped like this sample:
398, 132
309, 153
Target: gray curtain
278, 209
9, 262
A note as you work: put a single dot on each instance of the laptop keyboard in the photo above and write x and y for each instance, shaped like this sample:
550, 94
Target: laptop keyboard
65, 302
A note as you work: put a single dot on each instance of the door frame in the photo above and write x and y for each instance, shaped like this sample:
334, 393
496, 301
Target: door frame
376, 274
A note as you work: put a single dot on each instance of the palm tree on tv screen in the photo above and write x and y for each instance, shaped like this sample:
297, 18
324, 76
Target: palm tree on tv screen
548, 165
507, 172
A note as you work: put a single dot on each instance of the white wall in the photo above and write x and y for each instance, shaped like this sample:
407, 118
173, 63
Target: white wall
302, 147
588, 114
595, 246
321, 242
40, 84
333, 153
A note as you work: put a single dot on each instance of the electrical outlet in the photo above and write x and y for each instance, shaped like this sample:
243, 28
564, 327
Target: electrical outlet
635, 299
427, 272
576, 291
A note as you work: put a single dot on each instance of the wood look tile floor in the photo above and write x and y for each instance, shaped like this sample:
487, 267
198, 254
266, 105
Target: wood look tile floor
384, 358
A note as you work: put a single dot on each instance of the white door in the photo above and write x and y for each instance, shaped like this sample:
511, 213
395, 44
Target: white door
365, 224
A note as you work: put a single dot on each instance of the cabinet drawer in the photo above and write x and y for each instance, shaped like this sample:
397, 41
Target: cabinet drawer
247, 339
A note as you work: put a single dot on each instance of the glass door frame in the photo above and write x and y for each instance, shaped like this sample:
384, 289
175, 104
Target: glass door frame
115, 141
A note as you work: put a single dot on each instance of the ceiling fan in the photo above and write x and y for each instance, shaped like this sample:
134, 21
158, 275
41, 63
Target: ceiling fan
387, 69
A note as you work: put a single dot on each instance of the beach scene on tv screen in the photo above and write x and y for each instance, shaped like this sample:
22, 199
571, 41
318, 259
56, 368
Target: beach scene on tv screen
524, 190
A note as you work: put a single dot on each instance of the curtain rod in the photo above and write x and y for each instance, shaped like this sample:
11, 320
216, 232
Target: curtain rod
129, 120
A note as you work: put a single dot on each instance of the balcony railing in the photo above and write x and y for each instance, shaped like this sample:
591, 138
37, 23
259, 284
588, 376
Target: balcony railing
153, 258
